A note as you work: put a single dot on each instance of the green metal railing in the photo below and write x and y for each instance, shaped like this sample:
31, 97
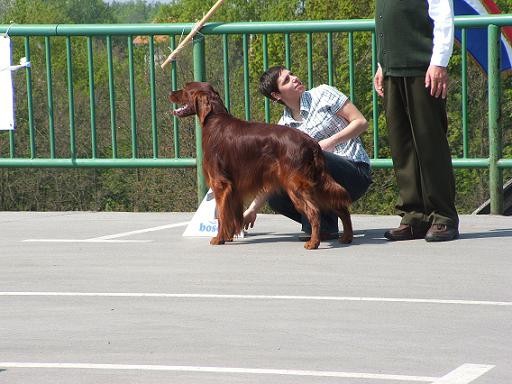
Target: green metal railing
39, 42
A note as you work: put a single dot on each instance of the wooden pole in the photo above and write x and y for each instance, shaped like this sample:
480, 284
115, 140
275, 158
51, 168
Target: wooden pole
192, 33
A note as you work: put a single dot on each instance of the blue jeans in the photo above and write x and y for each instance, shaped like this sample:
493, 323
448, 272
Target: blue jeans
354, 177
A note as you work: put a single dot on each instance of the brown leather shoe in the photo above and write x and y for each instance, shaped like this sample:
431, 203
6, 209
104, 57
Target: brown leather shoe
441, 232
405, 232
324, 236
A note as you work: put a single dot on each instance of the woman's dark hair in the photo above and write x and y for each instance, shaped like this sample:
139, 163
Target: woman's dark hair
268, 82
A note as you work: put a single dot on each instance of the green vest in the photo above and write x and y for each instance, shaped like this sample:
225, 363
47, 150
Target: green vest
404, 32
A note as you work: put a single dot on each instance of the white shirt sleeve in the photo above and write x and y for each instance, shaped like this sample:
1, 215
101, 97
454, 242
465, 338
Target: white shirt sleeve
441, 12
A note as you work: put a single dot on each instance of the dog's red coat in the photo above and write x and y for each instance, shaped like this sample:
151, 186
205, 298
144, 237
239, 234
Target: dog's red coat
242, 159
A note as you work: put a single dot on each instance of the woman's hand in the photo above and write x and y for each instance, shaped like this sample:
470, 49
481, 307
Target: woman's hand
252, 211
249, 218
327, 144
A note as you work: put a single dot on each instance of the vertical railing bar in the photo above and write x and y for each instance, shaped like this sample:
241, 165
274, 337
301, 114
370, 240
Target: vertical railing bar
287, 51
309, 49
464, 81
32, 131
152, 89
264, 43
92, 99
12, 144
247, 95
375, 101
174, 86
198, 52
225, 53
112, 96
51, 122
330, 66
71, 99
495, 140
133, 115
351, 66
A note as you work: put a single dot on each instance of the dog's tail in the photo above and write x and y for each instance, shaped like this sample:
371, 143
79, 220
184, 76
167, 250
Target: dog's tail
332, 194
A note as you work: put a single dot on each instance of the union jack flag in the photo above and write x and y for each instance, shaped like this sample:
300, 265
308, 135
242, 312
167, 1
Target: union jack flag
477, 37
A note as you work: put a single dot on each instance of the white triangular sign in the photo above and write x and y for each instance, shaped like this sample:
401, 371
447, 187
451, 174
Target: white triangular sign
204, 222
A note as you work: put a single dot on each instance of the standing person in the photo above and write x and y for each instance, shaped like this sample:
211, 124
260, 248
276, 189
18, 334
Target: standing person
414, 45
325, 114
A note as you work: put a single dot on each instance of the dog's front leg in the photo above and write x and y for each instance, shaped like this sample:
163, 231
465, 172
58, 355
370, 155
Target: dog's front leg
222, 192
217, 240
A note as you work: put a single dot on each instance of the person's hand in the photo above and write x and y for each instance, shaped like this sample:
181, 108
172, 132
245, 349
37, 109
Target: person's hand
326, 145
436, 79
249, 218
378, 82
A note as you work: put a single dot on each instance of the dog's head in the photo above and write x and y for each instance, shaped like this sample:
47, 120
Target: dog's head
196, 98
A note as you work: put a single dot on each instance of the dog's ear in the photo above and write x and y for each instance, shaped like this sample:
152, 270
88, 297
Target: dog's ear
202, 105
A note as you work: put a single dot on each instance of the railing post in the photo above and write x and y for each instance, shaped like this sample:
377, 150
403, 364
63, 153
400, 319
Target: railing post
199, 75
495, 139
247, 93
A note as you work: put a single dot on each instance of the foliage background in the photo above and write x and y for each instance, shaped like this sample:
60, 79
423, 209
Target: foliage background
175, 189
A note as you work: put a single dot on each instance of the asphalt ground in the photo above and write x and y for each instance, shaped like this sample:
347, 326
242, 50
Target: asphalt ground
125, 298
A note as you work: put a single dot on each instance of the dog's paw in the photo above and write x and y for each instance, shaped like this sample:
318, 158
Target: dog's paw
346, 238
216, 241
311, 244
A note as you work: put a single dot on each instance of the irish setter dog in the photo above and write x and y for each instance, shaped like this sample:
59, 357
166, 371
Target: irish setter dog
242, 159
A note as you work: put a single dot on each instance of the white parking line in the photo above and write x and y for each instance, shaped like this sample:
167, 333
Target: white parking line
109, 238
463, 375
261, 297
139, 231
83, 241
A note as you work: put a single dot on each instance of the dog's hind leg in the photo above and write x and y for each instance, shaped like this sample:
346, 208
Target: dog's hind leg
348, 233
336, 198
305, 204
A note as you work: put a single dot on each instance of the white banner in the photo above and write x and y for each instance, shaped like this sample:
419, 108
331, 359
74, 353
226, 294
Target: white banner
6, 91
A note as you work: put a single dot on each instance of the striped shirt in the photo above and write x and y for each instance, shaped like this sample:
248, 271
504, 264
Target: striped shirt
318, 108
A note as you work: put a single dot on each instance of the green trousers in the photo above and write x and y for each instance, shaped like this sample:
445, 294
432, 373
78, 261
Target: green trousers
417, 124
